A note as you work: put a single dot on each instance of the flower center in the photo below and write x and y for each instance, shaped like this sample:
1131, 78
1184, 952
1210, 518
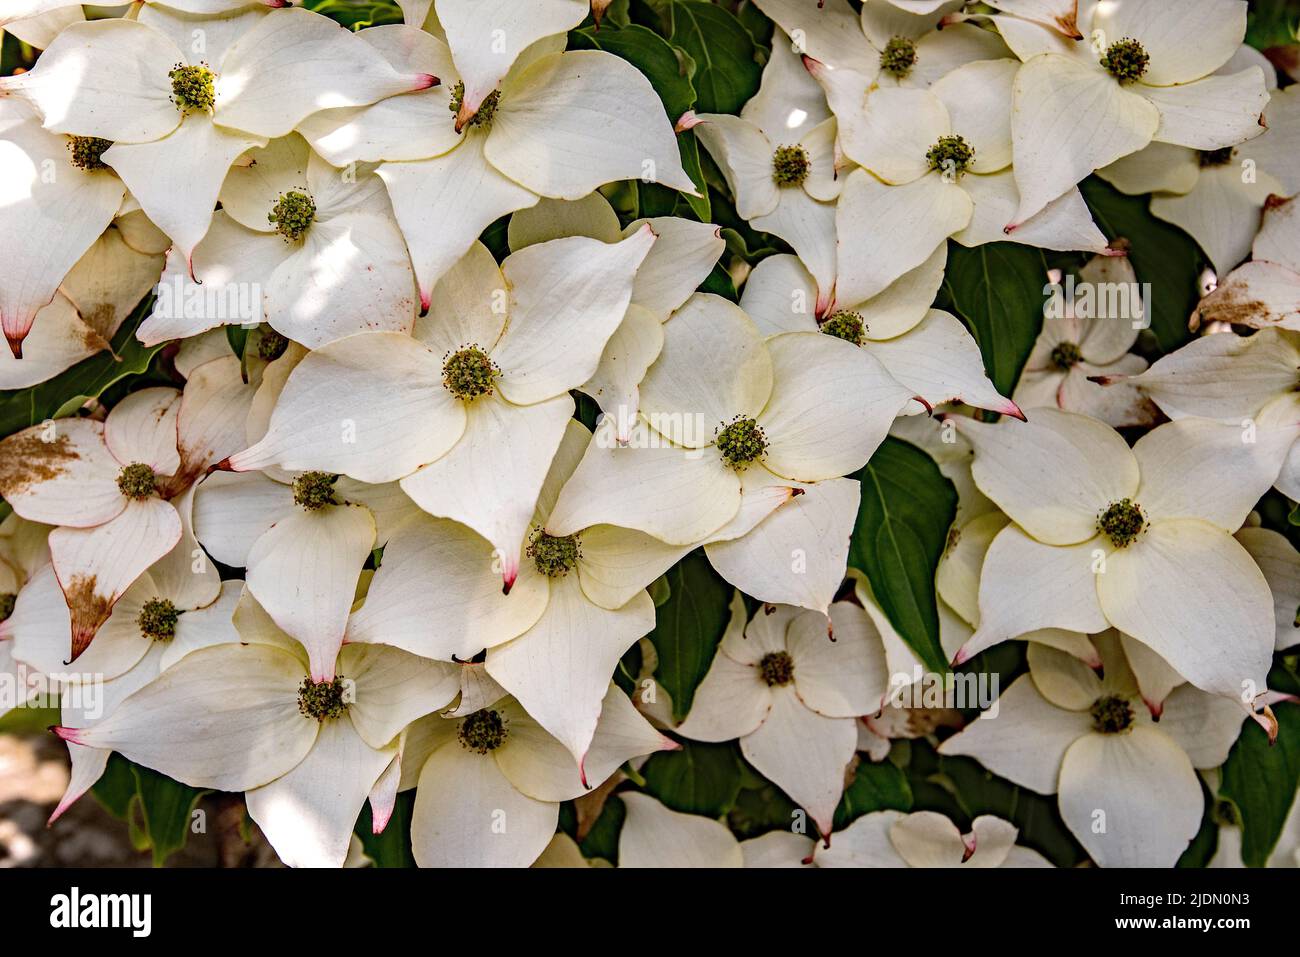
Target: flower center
469, 373
554, 556
898, 57
847, 326
322, 699
776, 668
7, 601
1122, 522
136, 481
1111, 714
314, 490
483, 731
1219, 157
192, 87
951, 154
87, 150
292, 213
1126, 60
741, 442
790, 165
486, 110
157, 619
272, 345
1066, 355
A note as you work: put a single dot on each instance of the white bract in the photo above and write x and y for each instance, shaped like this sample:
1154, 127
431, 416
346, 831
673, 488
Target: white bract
926, 839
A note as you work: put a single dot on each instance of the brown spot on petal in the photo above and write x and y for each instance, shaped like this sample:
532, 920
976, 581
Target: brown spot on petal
27, 459
89, 610
1069, 23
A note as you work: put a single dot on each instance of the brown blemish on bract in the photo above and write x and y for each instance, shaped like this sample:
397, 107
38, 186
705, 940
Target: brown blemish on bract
1069, 24
89, 610
27, 459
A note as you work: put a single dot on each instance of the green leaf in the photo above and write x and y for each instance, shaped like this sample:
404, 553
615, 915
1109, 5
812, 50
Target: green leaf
88, 379
997, 289
902, 528
392, 848
699, 779
602, 840
116, 787
1161, 253
1261, 781
688, 627
875, 787
166, 807
726, 72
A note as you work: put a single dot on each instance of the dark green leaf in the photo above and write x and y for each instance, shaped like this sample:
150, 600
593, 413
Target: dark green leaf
699, 779
1206, 841
902, 528
726, 72
997, 289
166, 807
875, 787
116, 787
1261, 781
1161, 253
688, 627
602, 840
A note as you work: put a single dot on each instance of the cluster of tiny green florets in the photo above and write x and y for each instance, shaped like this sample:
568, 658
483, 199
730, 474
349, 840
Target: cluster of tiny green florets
1219, 157
7, 601
87, 150
271, 345
137, 480
1066, 355
790, 165
950, 154
158, 619
292, 213
898, 57
192, 87
322, 699
1111, 714
554, 555
314, 490
486, 110
776, 668
469, 373
483, 731
741, 442
847, 326
1122, 522
1126, 60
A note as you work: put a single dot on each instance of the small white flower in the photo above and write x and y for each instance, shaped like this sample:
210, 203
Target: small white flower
926, 839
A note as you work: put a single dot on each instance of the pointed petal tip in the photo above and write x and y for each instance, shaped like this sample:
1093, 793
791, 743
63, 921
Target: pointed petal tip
929, 409
1013, 410
426, 300
686, 121
424, 81
72, 735
15, 344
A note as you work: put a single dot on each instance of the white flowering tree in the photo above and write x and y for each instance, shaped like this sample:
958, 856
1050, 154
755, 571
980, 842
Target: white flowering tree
661, 433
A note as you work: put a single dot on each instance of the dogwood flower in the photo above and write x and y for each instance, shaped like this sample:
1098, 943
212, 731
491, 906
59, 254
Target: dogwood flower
481, 384
941, 160
319, 245
1087, 337
491, 780
1145, 73
926, 839
170, 112
249, 717
113, 487
1216, 196
577, 603
1127, 786
656, 836
560, 125
1265, 291
1234, 379
1137, 539
791, 695
926, 350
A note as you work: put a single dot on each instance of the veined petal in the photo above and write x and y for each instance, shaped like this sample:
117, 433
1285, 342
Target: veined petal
744, 155
1212, 113
842, 674
1280, 563
1064, 223
58, 341
61, 474
808, 225
233, 509
1222, 213
629, 353
780, 296
142, 428
654, 836
617, 563
679, 261
731, 701
393, 689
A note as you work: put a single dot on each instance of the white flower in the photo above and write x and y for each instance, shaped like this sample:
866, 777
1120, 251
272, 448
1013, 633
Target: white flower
1265, 291
1234, 379
318, 246
655, 836
179, 111
560, 125
1144, 74
1128, 786
1138, 539
791, 691
491, 778
926, 839
479, 389
1083, 340
113, 487
248, 717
